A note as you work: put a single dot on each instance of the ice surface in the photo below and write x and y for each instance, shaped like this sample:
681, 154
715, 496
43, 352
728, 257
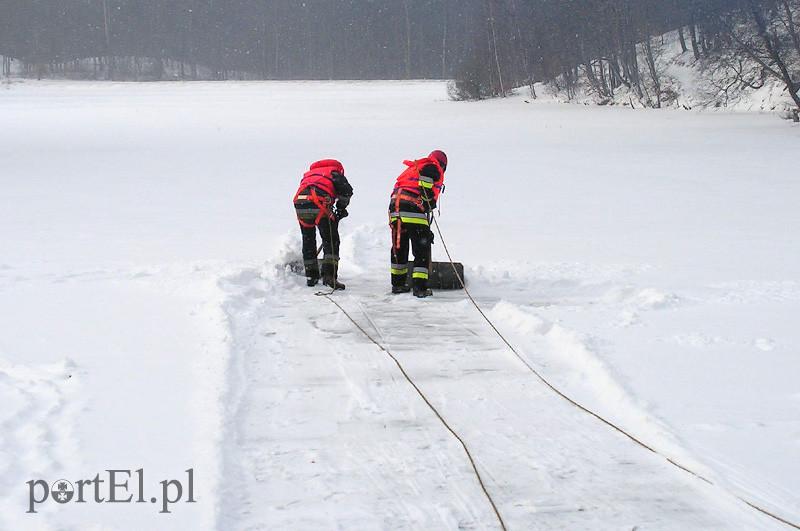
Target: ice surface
647, 261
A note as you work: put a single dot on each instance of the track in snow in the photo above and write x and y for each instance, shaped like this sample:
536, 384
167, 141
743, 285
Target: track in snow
324, 432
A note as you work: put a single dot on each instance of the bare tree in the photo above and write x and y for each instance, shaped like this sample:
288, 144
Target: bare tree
494, 46
107, 33
763, 46
408, 40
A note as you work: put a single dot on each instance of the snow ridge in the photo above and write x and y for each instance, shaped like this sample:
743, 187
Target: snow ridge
570, 360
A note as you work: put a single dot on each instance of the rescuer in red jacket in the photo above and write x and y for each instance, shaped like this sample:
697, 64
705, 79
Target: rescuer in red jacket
414, 198
320, 203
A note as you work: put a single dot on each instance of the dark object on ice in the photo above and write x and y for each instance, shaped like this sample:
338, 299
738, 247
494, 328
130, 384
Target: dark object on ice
442, 276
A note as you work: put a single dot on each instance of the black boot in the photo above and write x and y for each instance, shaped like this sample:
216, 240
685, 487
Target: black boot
421, 293
400, 289
421, 289
330, 274
332, 282
312, 272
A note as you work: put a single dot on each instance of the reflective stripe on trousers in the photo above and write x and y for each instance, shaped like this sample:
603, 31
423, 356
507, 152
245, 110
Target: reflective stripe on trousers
420, 272
399, 269
413, 218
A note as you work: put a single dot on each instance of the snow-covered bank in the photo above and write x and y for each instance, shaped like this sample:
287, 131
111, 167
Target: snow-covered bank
646, 259
684, 81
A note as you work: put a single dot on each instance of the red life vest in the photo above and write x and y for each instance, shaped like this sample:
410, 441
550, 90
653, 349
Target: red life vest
320, 176
409, 180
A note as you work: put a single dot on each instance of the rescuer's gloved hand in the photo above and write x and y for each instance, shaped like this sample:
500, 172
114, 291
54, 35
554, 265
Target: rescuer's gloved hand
341, 213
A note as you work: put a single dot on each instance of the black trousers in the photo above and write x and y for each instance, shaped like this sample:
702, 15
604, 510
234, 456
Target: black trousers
417, 237
329, 231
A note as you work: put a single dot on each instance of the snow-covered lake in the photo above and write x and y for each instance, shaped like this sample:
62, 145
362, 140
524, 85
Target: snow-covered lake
648, 262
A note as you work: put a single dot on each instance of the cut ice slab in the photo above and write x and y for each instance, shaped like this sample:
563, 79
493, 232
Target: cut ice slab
444, 275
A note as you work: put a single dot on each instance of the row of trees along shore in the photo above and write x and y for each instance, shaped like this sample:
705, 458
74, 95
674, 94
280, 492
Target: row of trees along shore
489, 46
742, 43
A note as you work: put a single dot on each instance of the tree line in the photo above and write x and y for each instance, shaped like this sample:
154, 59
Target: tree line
222, 39
614, 44
490, 46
